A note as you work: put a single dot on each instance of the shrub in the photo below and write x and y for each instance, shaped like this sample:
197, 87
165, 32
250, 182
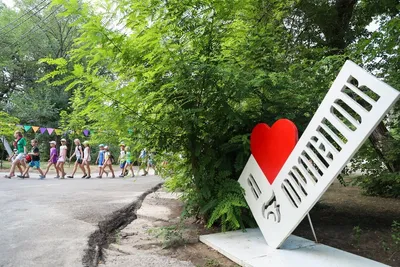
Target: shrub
384, 184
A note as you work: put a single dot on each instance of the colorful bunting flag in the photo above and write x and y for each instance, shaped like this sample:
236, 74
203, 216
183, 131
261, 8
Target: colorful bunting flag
86, 132
27, 128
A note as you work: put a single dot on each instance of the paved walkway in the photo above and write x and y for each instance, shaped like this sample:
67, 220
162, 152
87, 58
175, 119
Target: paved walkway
47, 222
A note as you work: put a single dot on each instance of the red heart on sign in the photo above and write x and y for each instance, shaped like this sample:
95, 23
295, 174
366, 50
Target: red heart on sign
271, 146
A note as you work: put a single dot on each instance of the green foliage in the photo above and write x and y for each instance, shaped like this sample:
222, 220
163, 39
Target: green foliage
212, 263
396, 234
30, 31
384, 184
7, 124
171, 236
190, 79
39, 106
357, 231
227, 206
375, 179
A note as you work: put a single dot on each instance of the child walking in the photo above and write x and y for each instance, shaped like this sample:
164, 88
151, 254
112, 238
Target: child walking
86, 158
53, 159
62, 158
13, 157
142, 161
122, 159
150, 163
108, 161
100, 160
129, 163
79, 159
35, 162
20, 145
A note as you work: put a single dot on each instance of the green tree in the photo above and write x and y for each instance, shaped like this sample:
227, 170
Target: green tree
33, 31
7, 124
7, 128
190, 79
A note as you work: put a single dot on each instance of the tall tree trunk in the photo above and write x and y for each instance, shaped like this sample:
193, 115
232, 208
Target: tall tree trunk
339, 16
381, 141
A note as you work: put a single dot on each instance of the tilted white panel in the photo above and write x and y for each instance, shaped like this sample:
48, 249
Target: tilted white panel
352, 108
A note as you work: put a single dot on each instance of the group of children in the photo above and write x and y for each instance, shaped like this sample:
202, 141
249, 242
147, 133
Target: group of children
24, 161
125, 159
82, 153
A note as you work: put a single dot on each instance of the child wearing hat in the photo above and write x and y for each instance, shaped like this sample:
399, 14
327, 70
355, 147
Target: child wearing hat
62, 157
100, 160
53, 159
108, 160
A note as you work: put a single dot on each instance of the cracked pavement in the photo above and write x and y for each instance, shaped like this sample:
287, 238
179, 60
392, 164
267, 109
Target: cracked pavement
47, 222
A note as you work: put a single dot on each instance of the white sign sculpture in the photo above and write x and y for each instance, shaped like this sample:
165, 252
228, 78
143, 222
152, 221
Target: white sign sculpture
281, 190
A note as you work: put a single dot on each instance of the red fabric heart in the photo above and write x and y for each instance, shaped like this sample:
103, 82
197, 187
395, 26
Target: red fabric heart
271, 146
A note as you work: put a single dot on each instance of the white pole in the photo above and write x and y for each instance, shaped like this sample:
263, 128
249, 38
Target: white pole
312, 228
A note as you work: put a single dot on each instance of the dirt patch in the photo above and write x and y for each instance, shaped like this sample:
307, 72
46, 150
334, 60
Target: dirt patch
362, 225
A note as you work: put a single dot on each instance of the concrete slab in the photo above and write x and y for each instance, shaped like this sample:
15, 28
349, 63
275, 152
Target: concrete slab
250, 249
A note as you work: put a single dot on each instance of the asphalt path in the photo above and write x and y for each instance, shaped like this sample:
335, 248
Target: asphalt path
47, 222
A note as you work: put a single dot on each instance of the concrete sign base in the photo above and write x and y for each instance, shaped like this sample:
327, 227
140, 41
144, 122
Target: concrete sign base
250, 249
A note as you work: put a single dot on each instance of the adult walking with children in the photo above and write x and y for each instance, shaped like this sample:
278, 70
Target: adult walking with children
20, 145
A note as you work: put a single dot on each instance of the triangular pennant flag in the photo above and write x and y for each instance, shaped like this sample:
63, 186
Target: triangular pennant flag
85, 132
50, 130
19, 126
35, 128
42, 130
58, 131
27, 128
